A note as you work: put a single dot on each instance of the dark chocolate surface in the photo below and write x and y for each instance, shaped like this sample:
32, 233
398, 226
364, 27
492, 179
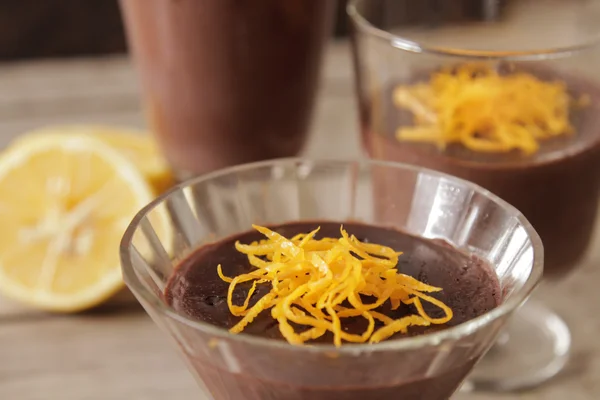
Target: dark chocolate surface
469, 285
195, 290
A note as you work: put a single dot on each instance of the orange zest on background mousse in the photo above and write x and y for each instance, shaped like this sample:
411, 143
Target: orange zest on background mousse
316, 283
476, 106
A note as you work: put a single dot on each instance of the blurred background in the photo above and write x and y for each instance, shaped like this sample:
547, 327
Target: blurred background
68, 28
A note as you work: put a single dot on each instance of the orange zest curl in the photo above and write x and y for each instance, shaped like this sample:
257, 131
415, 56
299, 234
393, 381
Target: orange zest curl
318, 283
486, 111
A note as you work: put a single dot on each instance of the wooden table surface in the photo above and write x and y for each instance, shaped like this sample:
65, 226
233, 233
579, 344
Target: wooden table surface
116, 352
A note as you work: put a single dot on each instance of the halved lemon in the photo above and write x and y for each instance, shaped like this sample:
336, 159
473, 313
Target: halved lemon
64, 205
136, 145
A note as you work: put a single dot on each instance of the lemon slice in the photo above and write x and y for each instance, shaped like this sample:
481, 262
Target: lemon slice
64, 205
136, 145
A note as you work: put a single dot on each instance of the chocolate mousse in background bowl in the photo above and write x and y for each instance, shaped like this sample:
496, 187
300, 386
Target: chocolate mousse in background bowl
282, 280
511, 104
230, 81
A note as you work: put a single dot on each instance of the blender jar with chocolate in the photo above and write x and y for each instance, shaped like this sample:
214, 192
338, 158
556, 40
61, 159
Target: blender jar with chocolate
512, 104
227, 82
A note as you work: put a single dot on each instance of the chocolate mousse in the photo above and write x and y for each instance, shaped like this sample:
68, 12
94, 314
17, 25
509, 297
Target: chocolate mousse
230, 81
551, 173
453, 288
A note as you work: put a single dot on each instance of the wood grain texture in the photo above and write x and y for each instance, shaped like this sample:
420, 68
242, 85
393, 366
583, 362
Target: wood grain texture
116, 352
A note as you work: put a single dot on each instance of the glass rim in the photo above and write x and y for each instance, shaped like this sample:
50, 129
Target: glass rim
412, 46
431, 339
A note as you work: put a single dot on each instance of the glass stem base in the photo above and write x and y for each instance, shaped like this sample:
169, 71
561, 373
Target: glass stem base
533, 349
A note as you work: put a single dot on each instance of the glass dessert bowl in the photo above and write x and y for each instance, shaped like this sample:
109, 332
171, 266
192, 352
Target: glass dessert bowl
481, 253
510, 102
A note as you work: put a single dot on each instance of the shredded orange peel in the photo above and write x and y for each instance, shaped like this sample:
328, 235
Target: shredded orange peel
473, 104
318, 283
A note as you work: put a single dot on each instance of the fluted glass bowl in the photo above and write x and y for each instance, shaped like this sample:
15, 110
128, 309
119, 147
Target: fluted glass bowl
431, 205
